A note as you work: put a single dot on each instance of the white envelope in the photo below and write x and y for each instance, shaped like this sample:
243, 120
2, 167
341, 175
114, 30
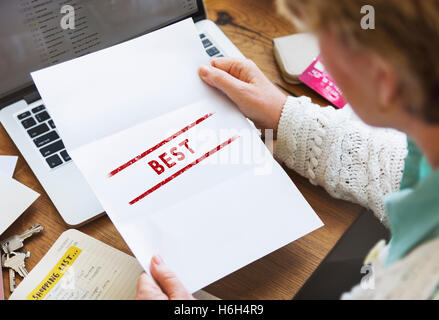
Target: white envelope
15, 198
177, 167
8, 164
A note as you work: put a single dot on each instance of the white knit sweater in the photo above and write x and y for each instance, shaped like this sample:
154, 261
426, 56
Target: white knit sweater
334, 149
361, 164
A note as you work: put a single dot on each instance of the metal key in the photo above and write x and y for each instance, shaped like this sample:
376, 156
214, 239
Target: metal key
15, 261
16, 242
11, 273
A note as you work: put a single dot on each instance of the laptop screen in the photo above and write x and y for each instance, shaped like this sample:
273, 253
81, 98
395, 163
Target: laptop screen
32, 35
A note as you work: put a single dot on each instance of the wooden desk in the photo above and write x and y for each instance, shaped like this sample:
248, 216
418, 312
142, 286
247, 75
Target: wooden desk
251, 25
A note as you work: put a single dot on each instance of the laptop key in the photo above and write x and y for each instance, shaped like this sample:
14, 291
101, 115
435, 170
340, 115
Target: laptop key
54, 161
29, 122
38, 109
52, 124
212, 51
65, 156
23, 115
36, 131
45, 139
43, 116
52, 148
207, 43
202, 36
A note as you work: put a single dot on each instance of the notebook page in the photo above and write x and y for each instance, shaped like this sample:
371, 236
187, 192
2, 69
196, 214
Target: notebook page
79, 267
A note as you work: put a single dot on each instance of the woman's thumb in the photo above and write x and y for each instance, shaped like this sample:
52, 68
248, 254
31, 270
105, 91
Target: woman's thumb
220, 79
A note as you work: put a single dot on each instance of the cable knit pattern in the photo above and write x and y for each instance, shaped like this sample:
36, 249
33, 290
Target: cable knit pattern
334, 149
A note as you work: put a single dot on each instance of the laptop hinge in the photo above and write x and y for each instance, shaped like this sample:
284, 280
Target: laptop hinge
32, 97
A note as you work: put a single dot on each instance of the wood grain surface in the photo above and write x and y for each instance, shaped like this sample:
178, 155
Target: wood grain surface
251, 25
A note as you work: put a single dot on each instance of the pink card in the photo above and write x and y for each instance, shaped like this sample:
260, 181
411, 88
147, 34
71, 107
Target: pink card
317, 78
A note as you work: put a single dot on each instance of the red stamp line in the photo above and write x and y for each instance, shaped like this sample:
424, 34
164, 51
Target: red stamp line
159, 145
175, 175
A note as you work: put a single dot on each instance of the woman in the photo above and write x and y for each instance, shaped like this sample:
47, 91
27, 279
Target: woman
390, 76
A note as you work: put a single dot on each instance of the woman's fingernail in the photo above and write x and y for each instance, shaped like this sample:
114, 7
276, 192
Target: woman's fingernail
157, 260
204, 72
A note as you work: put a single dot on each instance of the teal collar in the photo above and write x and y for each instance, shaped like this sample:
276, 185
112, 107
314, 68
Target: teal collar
413, 211
416, 167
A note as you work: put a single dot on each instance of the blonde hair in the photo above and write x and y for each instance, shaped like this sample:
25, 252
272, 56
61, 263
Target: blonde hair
406, 35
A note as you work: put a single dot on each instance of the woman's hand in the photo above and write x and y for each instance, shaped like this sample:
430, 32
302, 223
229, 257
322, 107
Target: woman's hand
245, 84
165, 287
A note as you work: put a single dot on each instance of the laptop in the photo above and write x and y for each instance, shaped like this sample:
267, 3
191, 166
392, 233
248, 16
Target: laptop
32, 38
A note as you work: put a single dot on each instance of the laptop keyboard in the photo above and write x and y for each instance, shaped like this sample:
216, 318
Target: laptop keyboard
210, 48
42, 130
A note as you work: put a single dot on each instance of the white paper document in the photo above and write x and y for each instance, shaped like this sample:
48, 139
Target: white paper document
15, 198
179, 170
8, 164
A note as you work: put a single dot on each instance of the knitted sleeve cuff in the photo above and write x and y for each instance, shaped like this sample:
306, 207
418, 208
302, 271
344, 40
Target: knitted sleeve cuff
300, 135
